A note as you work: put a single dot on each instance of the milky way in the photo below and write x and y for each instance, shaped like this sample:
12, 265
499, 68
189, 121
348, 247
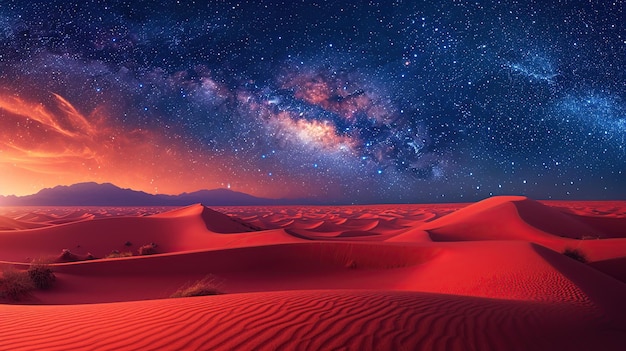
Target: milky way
341, 101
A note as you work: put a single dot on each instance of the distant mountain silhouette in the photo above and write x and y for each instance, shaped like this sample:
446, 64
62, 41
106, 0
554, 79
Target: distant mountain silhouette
94, 194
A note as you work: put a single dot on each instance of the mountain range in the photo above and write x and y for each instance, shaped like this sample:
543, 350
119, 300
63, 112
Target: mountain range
107, 194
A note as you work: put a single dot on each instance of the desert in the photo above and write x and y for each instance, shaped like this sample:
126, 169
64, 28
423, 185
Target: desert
313, 175
490, 275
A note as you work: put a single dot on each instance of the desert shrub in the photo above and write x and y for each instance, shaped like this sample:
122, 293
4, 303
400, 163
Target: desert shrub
67, 256
209, 285
117, 254
148, 249
15, 285
41, 275
576, 254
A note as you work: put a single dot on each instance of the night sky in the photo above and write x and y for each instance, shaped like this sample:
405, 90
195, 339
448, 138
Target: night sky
342, 101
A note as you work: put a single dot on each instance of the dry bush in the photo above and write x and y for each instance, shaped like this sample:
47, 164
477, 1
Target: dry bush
117, 254
209, 285
15, 285
41, 275
148, 249
67, 256
576, 254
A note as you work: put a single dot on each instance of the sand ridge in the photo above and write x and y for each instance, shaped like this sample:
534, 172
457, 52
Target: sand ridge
486, 276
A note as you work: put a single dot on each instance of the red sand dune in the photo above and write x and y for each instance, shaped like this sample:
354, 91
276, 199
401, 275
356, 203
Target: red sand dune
14, 224
484, 276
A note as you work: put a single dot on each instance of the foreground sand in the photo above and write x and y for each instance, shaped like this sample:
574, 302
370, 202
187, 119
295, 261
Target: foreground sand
485, 276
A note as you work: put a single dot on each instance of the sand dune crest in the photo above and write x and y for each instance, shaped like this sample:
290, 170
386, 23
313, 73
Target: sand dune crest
485, 276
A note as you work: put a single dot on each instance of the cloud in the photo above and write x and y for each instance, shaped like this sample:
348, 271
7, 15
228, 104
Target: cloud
54, 143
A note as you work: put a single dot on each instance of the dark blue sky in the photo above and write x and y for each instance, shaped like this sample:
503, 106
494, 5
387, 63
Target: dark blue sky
346, 101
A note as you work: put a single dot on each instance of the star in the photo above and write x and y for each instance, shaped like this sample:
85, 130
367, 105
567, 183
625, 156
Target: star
415, 102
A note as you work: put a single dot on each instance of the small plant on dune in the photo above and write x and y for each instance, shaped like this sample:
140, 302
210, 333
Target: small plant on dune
67, 256
41, 275
14, 285
149, 249
117, 254
576, 254
209, 285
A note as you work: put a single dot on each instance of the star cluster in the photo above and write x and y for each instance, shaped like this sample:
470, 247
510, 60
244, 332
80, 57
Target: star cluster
342, 101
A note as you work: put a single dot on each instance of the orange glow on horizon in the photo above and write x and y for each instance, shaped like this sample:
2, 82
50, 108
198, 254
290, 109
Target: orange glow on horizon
45, 145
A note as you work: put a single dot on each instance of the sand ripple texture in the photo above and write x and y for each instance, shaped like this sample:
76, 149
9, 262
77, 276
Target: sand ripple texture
490, 275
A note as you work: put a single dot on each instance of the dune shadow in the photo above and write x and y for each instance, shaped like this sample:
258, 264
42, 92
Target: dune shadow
602, 289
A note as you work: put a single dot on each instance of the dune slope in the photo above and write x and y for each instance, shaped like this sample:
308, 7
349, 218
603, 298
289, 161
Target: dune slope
485, 276
308, 320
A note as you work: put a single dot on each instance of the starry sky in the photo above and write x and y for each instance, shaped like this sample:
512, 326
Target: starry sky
340, 101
